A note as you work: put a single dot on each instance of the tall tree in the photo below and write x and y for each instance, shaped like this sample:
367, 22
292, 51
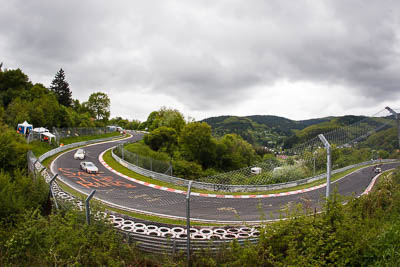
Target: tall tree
61, 88
99, 106
198, 144
167, 117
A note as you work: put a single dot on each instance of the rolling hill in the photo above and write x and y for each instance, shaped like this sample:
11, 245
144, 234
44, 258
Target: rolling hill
264, 130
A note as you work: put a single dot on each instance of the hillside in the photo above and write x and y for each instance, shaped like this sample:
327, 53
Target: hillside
265, 130
361, 123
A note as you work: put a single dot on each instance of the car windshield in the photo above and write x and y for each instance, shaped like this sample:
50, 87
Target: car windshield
89, 164
80, 151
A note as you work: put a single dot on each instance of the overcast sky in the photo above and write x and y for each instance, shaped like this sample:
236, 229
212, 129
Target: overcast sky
297, 59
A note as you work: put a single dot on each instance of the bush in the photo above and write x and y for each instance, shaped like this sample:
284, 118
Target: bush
288, 173
187, 170
18, 193
13, 149
66, 240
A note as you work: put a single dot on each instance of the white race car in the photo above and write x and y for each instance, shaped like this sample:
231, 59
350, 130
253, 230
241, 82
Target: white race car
79, 154
89, 167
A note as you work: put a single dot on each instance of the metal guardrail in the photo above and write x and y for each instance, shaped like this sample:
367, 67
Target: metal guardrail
173, 246
234, 188
150, 240
66, 147
145, 242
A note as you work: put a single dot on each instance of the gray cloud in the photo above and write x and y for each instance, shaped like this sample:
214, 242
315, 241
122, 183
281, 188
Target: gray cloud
206, 54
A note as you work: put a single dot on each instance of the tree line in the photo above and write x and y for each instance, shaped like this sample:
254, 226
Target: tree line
52, 106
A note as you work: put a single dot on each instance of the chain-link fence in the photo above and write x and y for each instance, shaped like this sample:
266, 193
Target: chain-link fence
148, 236
124, 193
144, 162
75, 132
308, 159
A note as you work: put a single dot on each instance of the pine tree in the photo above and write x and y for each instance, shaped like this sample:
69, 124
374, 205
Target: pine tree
61, 88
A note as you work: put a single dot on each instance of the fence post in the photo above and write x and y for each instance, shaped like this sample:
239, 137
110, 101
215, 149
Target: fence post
88, 207
314, 164
188, 222
174, 247
328, 163
397, 118
34, 168
51, 189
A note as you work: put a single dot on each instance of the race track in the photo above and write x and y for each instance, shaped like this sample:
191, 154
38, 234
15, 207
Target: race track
123, 192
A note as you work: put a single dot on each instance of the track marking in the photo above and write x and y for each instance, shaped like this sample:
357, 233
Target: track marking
300, 191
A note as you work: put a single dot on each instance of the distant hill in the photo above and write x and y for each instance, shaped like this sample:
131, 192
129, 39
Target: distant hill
265, 130
275, 131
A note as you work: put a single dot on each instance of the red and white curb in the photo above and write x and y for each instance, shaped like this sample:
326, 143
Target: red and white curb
371, 185
206, 195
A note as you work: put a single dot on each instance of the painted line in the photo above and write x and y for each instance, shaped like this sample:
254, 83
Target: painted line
283, 194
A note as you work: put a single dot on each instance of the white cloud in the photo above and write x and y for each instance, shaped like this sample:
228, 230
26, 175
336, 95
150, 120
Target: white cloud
297, 59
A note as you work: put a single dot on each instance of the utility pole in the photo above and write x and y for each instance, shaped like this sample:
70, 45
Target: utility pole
396, 117
328, 163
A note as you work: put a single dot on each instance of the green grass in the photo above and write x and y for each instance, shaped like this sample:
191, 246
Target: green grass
48, 160
39, 148
118, 167
76, 139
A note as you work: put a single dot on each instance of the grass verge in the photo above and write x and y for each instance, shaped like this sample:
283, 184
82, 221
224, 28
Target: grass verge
39, 148
48, 160
118, 167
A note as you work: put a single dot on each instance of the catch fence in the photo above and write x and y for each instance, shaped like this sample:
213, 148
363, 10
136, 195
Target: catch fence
80, 131
147, 163
148, 236
291, 166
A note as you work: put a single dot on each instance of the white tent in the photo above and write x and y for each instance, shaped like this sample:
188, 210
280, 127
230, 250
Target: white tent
49, 136
23, 127
40, 130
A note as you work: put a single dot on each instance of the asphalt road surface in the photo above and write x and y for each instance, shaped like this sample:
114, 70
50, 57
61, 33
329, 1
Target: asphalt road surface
122, 192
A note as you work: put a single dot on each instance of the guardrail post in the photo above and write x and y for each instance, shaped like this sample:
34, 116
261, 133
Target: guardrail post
42, 170
397, 118
174, 247
88, 207
188, 222
51, 189
328, 163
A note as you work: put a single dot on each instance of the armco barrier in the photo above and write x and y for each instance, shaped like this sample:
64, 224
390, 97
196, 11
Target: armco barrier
160, 245
234, 188
66, 147
152, 238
